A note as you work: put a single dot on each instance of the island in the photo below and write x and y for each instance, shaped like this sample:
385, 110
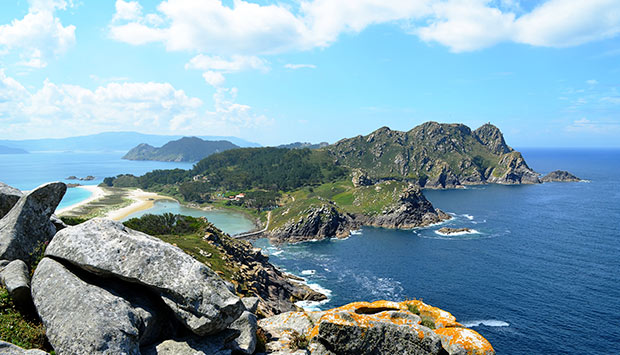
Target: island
455, 231
189, 149
560, 176
373, 180
11, 150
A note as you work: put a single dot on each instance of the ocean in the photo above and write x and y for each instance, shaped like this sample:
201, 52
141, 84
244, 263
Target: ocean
540, 276
27, 171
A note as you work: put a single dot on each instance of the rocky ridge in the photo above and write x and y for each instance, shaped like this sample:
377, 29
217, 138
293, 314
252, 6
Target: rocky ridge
411, 209
435, 155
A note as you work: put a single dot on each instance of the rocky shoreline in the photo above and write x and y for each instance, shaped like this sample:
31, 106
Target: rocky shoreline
410, 210
103, 288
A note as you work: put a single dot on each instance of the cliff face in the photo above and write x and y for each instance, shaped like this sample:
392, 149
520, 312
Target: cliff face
276, 291
435, 155
409, 210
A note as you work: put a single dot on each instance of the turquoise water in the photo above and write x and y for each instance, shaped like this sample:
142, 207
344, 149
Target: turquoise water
541, 276
27, 171
74, 195
229, 221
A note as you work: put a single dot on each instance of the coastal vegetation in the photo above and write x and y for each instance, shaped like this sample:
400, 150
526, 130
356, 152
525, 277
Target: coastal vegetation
18, 327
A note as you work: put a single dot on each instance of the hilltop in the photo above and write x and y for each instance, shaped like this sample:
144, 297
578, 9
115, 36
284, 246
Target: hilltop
435, 155
188, 149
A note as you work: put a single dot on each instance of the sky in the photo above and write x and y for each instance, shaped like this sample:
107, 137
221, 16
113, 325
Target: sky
545, 72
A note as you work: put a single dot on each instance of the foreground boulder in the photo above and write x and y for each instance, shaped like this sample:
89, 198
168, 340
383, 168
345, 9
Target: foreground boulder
380, 327
16, 278
27, 224
82, 318
196, 294
11, 349
8, 198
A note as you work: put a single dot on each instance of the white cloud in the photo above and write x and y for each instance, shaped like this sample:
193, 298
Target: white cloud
235, 64
591, 82
249, 28
299, 66
68, 110
466, 25
564, 23
39, 35
213, 78
127, 10
216, 66
584, 125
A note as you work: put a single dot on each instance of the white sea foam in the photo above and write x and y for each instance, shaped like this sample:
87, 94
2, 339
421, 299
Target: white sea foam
311, 306
356, 232
487, 322
308, 272
472, 231
468, 216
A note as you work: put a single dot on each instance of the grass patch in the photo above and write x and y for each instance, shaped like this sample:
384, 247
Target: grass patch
18, 329
428, 322
298, 341
413, 309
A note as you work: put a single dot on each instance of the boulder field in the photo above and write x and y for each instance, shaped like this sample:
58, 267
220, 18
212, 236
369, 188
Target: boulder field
103, 288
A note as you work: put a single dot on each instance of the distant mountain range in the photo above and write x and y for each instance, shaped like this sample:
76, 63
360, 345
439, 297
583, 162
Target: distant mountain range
9, 150
189, 149
107, 141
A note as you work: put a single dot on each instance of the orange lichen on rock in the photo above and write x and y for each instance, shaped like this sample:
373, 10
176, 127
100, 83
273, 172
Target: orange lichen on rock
441, 318
470, 340
364, 314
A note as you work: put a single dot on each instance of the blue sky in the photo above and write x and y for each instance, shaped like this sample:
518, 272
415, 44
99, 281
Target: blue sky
546, 72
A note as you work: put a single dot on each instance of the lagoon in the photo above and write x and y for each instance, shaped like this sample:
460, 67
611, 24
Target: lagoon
230, 222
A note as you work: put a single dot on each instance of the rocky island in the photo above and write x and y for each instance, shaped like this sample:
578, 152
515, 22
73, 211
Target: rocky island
372, 180
102, 287
455, 231
188, 149
560, 176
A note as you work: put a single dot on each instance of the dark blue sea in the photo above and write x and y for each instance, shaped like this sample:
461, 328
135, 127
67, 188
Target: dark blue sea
542, 276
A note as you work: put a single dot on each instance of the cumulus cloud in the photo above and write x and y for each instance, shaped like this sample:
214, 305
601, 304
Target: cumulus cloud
39, 35
249, 28
127, 10
215, 67
235, 64
299, 66
213, 78
64, 110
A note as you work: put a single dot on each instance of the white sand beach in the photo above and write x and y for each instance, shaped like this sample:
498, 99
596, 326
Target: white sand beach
97, 193
142, 201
